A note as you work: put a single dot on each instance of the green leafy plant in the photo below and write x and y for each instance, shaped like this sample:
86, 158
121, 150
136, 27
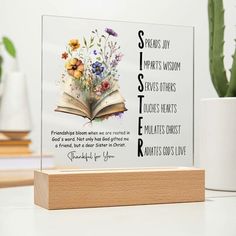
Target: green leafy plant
224, 87
10, 48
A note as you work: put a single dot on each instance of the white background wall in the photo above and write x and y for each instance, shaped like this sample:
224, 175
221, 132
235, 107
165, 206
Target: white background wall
21, 21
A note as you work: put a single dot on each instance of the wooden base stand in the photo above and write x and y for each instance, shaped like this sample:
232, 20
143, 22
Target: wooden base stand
60, 189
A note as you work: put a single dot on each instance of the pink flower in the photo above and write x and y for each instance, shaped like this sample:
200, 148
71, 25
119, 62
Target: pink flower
98, 90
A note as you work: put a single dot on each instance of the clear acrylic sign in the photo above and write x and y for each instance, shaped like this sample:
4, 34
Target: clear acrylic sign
116, 94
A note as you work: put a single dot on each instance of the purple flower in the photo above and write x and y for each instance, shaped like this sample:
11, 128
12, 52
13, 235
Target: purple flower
114, 63
111, 32
118, 57
95, 52
97, 68
119, 114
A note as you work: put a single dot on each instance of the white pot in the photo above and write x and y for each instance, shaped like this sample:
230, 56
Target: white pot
218, 143
1, 92
1, 89
14, 111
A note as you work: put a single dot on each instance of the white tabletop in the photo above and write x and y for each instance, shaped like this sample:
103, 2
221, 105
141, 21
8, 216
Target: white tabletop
20, 217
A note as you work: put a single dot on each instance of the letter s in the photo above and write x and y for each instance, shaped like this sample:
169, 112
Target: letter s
141, 43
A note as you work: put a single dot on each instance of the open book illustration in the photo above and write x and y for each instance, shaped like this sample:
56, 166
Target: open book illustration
90, 82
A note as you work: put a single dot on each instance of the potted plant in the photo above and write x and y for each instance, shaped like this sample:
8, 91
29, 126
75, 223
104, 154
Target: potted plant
218, 121
10, 49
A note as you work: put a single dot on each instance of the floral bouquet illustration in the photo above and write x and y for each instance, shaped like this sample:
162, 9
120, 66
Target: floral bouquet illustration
90, 79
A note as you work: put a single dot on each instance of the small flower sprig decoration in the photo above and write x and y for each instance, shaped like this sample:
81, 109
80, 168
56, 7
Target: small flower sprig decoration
93, 63
107, 51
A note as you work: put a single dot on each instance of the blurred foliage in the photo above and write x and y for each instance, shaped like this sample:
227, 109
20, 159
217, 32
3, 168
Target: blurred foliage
8, 45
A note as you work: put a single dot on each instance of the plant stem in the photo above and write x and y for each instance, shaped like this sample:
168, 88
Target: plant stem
231, 92
216, 28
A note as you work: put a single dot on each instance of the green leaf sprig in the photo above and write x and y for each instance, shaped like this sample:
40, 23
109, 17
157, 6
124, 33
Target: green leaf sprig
10, 49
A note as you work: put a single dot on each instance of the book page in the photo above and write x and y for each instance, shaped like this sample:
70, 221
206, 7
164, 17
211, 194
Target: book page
113, 109
71, 111
109, 100
113, 88
70, 87
69, 102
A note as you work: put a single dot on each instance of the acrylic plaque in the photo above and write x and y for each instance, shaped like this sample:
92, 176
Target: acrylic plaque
117, 94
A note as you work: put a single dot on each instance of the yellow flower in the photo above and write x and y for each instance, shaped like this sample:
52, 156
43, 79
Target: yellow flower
75, 68
88, 82
74, 44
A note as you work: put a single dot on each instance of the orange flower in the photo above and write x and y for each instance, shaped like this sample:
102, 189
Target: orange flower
74, 44
75, 68
64, 55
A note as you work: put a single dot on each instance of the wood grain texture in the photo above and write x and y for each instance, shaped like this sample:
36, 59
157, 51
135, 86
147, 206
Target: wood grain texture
59, 189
